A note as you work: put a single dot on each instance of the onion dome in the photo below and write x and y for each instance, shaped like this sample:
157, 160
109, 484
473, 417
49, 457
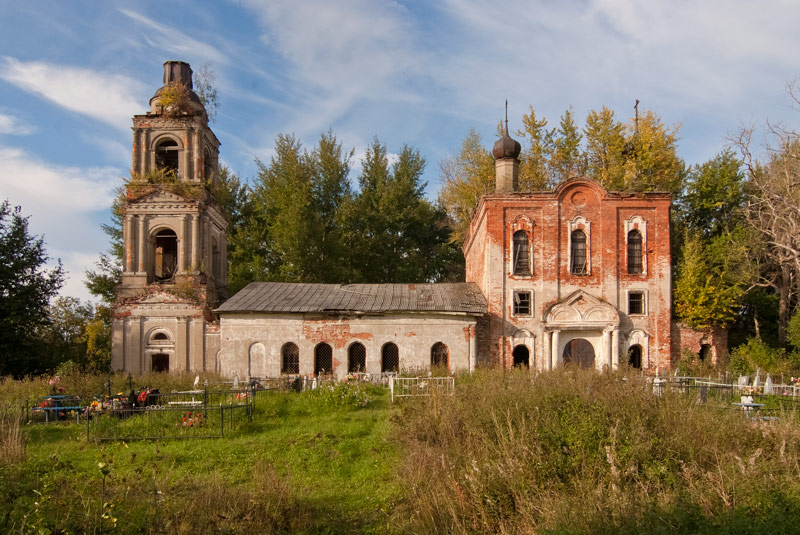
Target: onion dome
505, 147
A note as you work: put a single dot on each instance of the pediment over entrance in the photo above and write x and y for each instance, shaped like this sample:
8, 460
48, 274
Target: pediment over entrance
581, 310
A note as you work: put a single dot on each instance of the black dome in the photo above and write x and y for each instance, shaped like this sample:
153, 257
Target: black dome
505, 147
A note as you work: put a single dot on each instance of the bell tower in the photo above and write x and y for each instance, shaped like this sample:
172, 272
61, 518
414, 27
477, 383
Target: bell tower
174, 268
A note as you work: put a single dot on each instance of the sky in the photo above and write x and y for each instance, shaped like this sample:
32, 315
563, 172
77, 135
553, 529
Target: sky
422, 73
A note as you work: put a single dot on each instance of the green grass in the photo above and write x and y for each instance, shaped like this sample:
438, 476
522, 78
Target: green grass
304, 465
565, 452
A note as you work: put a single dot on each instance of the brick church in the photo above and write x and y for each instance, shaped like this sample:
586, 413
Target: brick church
576, 275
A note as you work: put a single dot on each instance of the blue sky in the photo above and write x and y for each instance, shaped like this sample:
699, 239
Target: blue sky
72, 73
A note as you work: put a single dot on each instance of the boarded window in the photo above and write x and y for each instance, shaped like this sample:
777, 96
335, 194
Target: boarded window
290, 358
357, 358
165, 255
522, 303
578, 253
635, 356
167, 156
439, 355
634, 252
323, 359
636, 303
522, 256
390, 358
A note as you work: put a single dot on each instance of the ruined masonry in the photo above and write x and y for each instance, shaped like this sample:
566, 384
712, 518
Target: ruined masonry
579, 275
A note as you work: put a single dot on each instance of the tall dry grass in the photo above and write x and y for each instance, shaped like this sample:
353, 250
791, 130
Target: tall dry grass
13, 439
574, 451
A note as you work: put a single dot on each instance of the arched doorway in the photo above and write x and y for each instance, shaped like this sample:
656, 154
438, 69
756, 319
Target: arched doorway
705, 351
635, 356
165, 257
580, 352
160, 362
521, 356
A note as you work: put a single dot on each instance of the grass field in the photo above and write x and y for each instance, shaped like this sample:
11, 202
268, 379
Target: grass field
305, 464
567, 452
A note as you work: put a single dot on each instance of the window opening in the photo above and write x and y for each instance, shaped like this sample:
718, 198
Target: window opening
357, 358
580, 352
522, 259
208, 166
578, 253
705, 351
166, 255
439, 355
634, 252
390, 358
521, 356
522, 303
167, 156
635, 356
636, 303
290, 358
160, 362
160, 336
215, 267
323, 359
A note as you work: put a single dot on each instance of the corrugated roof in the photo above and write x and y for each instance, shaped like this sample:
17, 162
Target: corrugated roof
301, 297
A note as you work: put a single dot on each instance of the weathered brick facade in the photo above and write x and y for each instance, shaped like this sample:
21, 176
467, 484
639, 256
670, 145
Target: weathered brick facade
564, 305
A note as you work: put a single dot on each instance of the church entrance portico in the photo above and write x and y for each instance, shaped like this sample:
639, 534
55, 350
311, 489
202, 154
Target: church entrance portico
583, 330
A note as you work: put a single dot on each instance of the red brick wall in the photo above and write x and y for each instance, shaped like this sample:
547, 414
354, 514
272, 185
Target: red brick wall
546, 217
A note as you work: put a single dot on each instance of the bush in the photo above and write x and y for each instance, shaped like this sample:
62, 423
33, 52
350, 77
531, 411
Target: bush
755, 354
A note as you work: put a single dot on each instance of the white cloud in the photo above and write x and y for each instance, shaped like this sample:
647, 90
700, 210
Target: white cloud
338, 53
173, 40
12, 125
65, 205
110, 98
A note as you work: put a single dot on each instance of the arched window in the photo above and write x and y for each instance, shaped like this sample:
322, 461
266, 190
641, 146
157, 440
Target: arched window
290, 358
160, 336
634, 252
323, 359
166, 255
167, 155
578, 253
522, 256
357, 358
439, 355
705, 351
390, 358
521, 356
635, 356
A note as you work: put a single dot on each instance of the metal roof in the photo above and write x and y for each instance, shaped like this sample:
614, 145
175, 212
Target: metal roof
301, 297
